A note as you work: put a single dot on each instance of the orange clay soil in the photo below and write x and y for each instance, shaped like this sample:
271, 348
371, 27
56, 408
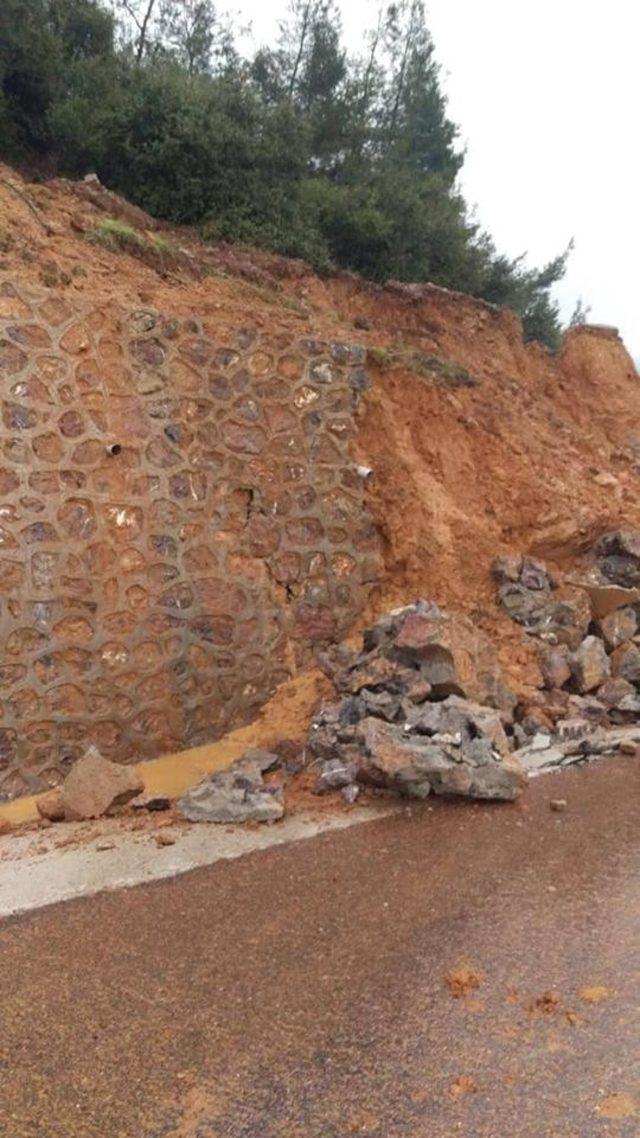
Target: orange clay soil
540, 455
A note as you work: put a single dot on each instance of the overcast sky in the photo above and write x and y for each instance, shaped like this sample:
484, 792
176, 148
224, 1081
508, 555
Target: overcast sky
546, 98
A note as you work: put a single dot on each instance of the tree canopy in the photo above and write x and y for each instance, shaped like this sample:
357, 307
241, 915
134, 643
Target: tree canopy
348, 161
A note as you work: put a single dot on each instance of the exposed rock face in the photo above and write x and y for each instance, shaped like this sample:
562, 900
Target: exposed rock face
94, 786
389, 731
237, 794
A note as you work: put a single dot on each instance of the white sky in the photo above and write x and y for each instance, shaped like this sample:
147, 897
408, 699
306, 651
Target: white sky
546, 98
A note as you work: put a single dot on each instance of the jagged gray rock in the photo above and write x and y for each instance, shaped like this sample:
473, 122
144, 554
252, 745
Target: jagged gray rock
409, 720
237, 794
445, 763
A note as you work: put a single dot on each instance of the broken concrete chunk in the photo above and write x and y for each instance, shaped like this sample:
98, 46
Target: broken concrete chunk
237, 794
590, 665
95, 785
618, 627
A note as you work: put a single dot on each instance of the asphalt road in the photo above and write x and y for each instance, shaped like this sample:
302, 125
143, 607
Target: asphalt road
300, 992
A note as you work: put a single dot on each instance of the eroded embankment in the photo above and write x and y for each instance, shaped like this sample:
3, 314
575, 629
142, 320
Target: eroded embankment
183, 517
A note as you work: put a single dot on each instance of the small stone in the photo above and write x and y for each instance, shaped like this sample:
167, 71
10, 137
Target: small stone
51, 805
628, 747
102, 846
151, 802
558, 805
165, 840
335, 775
350, 793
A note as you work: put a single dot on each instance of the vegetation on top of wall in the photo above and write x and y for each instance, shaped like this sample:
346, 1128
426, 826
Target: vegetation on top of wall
347, 162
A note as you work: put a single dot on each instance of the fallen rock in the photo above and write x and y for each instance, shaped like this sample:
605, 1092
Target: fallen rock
453, 656
413, 766
237, 794
460, 719
507, 568
568, 616
526, 571
95, 785
625, 662
562, 616
618, 627
51, 805
614, 690
605, 599
558, 805
335, 775
555, 665
590, 665
619, 557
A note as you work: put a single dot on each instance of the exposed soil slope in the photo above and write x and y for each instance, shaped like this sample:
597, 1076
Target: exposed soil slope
477, 443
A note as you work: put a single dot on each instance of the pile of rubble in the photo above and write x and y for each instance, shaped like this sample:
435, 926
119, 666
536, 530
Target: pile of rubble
588, 635
423, 708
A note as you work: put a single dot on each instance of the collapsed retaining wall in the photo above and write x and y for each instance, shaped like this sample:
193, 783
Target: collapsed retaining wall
180, 523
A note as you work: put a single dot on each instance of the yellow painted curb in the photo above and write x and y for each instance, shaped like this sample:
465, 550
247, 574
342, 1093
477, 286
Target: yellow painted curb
170, 775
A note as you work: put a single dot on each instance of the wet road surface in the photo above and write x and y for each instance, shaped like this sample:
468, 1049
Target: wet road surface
300, 992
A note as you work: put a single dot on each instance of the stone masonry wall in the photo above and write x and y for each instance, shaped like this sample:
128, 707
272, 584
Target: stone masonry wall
180, 522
